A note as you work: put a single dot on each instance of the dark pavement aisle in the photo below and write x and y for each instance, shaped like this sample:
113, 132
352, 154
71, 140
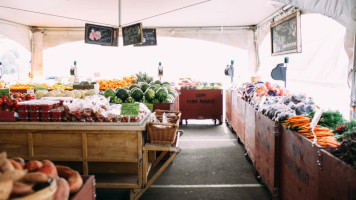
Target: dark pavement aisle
211, 165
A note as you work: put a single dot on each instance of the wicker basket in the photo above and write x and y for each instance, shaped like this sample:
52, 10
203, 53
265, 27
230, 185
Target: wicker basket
172, 116
162, 133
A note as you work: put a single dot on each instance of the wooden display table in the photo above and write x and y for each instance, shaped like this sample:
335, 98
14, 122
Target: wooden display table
201, 104
113, 152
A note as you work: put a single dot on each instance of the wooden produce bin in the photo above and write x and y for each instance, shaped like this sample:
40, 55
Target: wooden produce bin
111, 151
337, 179
267, 157
201, 104
238, 116
299, 167
167, 106
250, 136
87, 191
228, 107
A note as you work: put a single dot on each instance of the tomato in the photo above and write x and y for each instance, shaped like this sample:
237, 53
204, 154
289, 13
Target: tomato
11, 94
33, 97
16, 95
4, 97
9, 104
1, 101
16, 101
28, 96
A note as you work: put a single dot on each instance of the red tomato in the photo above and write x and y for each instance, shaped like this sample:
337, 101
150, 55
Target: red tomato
16, 101
28, 96
9, 104
16, 95
4, 97
1, 101
11, 93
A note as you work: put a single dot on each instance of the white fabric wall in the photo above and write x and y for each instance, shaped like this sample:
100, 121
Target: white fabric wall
321, 70
343, 11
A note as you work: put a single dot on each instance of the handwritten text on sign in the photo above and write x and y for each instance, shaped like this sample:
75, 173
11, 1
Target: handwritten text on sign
132, 34
130, 109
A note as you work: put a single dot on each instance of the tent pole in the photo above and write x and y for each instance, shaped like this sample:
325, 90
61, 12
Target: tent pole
353, 86
119, 2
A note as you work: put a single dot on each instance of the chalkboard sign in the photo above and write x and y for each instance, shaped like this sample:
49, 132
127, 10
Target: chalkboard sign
149, 37
132, 34
285, 35
102, 35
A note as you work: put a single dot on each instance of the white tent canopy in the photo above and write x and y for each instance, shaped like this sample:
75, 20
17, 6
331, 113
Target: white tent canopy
238, 23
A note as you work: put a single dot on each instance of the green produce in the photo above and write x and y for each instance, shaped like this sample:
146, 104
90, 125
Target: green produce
137, 94
150, 94
84, 83
133, 89
158, 82
127, 88
130, 100
173, 93
166, 86
133, 86
170, 98
166, 83
152, 87
330, 119
122, 93
109, 93
144, 87
156, 101
161, 94
143, 77
116, 100
157, 86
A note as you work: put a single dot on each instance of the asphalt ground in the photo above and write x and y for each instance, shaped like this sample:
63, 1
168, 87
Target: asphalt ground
211, 165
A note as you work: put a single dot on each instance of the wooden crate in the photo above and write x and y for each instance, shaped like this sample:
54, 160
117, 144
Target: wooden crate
167, 106
87, 191
267, 143
201, 104
228, 106
299, 167
337, 179
237, 116
250, 136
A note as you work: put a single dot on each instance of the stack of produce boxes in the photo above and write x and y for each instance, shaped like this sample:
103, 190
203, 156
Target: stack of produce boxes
40, 110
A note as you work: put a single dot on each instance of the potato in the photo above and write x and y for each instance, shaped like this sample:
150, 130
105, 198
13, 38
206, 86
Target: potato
5, 189
22, 189
35, 177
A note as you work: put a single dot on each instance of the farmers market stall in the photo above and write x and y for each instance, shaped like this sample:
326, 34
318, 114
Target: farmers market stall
284, 156
93, 137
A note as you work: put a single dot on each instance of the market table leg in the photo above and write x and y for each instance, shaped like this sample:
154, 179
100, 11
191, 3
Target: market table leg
136, 196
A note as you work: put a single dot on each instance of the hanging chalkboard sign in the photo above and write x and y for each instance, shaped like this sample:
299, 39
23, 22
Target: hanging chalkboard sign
286, 36
102, 35
132, 34
149, 37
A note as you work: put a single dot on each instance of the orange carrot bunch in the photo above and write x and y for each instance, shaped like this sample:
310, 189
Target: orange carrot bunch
323, 135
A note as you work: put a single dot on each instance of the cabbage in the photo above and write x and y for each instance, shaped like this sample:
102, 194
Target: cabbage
70, 94
77, 94
91, 92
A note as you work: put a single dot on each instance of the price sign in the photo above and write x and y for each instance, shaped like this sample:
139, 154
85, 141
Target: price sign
149, 106
30, 91
5, 92
130, 109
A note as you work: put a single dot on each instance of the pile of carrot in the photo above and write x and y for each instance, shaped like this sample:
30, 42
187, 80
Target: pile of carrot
324, 136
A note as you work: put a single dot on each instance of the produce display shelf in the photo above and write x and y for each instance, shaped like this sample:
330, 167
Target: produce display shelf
116, 180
